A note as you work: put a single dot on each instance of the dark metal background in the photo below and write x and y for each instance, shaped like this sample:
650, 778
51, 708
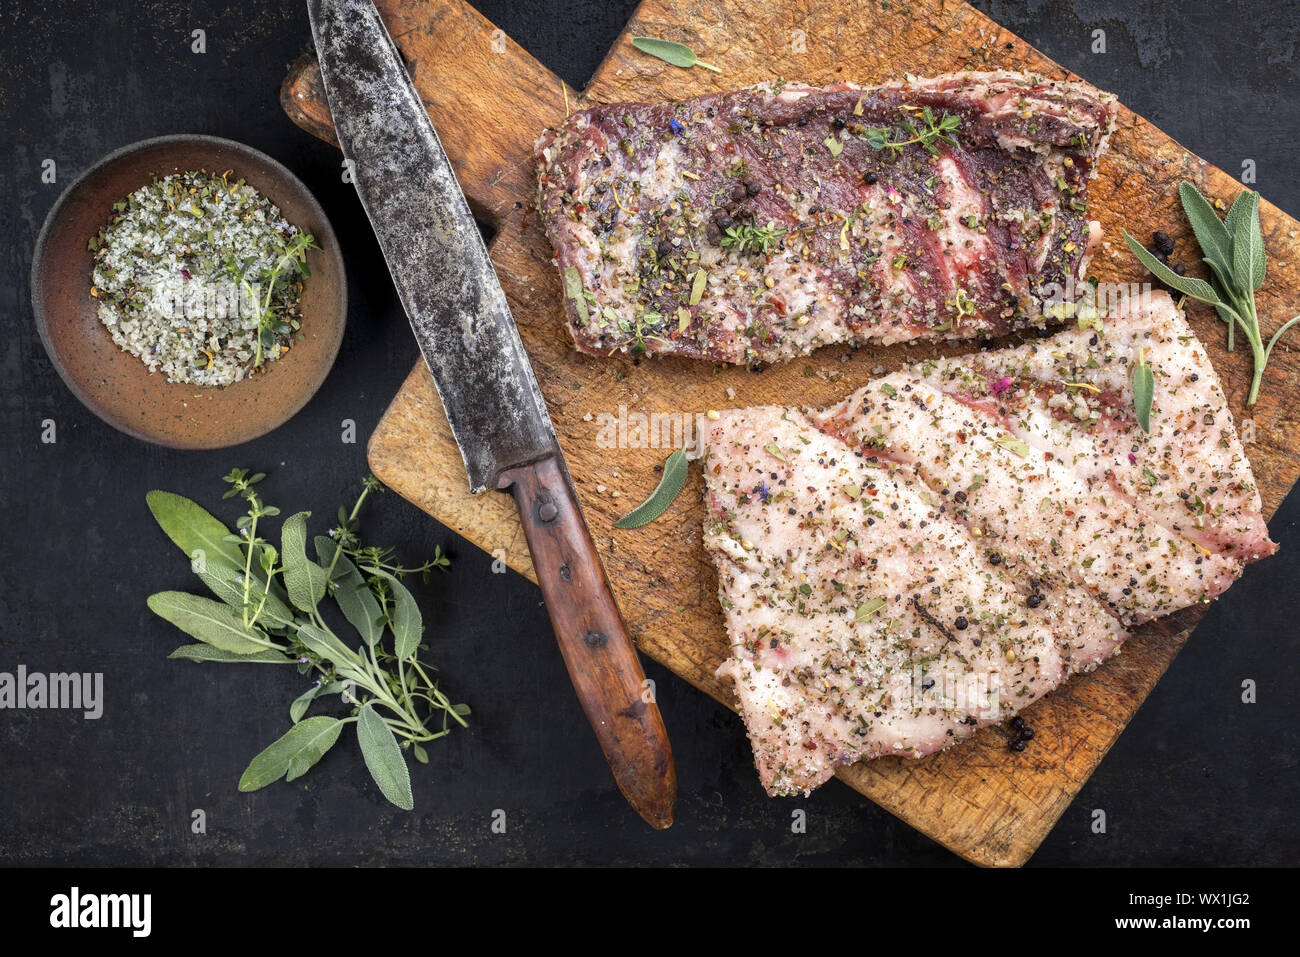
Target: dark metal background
1198, 778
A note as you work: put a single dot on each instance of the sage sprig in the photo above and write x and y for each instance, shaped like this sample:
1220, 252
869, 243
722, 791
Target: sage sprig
272, 609
678, 54
670, 486
1233, 248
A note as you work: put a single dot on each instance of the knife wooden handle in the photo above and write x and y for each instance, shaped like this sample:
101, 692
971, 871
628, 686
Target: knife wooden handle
597, 649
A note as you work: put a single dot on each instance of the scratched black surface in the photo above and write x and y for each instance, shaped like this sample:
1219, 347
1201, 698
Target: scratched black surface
1198, 778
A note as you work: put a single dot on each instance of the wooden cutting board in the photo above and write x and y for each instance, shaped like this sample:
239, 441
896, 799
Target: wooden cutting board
489, 100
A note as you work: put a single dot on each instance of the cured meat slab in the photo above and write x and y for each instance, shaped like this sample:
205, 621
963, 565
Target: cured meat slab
490, 100
761, 224
957, 538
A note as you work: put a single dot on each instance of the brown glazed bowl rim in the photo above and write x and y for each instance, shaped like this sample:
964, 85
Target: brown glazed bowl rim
151, 412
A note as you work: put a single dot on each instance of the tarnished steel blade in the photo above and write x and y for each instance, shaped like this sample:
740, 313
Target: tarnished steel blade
435, 253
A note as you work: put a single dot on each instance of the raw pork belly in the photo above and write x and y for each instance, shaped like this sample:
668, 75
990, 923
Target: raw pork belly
758, 225
956, 539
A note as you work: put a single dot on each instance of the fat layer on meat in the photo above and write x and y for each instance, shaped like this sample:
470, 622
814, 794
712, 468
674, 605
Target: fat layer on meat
761, 224
954, 540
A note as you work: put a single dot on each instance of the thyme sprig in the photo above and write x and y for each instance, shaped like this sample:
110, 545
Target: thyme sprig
270, 290
752, 238
273, 610
930, 131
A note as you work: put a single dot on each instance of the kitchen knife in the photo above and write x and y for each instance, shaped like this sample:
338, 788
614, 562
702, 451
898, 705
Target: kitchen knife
464, 328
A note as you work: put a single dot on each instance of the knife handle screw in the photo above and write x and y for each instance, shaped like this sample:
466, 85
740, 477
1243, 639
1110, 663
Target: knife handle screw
547, 511
594, 639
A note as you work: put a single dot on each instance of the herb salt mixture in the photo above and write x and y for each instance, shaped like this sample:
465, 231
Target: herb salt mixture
200, 277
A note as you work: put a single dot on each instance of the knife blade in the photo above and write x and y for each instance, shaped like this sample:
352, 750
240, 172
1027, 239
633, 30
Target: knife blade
467, 335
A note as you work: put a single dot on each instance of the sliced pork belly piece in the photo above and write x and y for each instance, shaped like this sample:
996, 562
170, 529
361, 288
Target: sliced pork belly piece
948, 516
761, 224
1032, 505
864, 619
1071, 396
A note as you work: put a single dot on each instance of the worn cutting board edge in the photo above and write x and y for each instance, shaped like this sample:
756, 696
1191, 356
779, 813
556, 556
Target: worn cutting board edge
413, 441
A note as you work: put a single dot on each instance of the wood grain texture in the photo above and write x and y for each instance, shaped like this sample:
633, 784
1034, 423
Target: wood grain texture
984, 802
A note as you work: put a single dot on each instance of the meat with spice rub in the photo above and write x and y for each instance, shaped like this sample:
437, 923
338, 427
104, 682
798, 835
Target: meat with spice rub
756, 225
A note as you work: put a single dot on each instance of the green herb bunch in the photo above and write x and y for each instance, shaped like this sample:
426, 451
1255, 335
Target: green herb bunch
272, 610
1233, 248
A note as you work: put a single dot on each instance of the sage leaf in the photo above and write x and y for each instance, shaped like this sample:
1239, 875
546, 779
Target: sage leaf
421, 755
193, 528
573, 289
698, 285
866, 610
1239, 210
207, 653
209, 621
670, 486
383, 757
678, 54
404, 617
300, 704
1012, 444
295, 751
1211, 234
329, 646
303, 578
1144, 388
353, 595
224, 582
1248, 258
1198, 289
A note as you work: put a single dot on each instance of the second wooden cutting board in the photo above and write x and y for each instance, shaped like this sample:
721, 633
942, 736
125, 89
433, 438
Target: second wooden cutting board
490, 100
